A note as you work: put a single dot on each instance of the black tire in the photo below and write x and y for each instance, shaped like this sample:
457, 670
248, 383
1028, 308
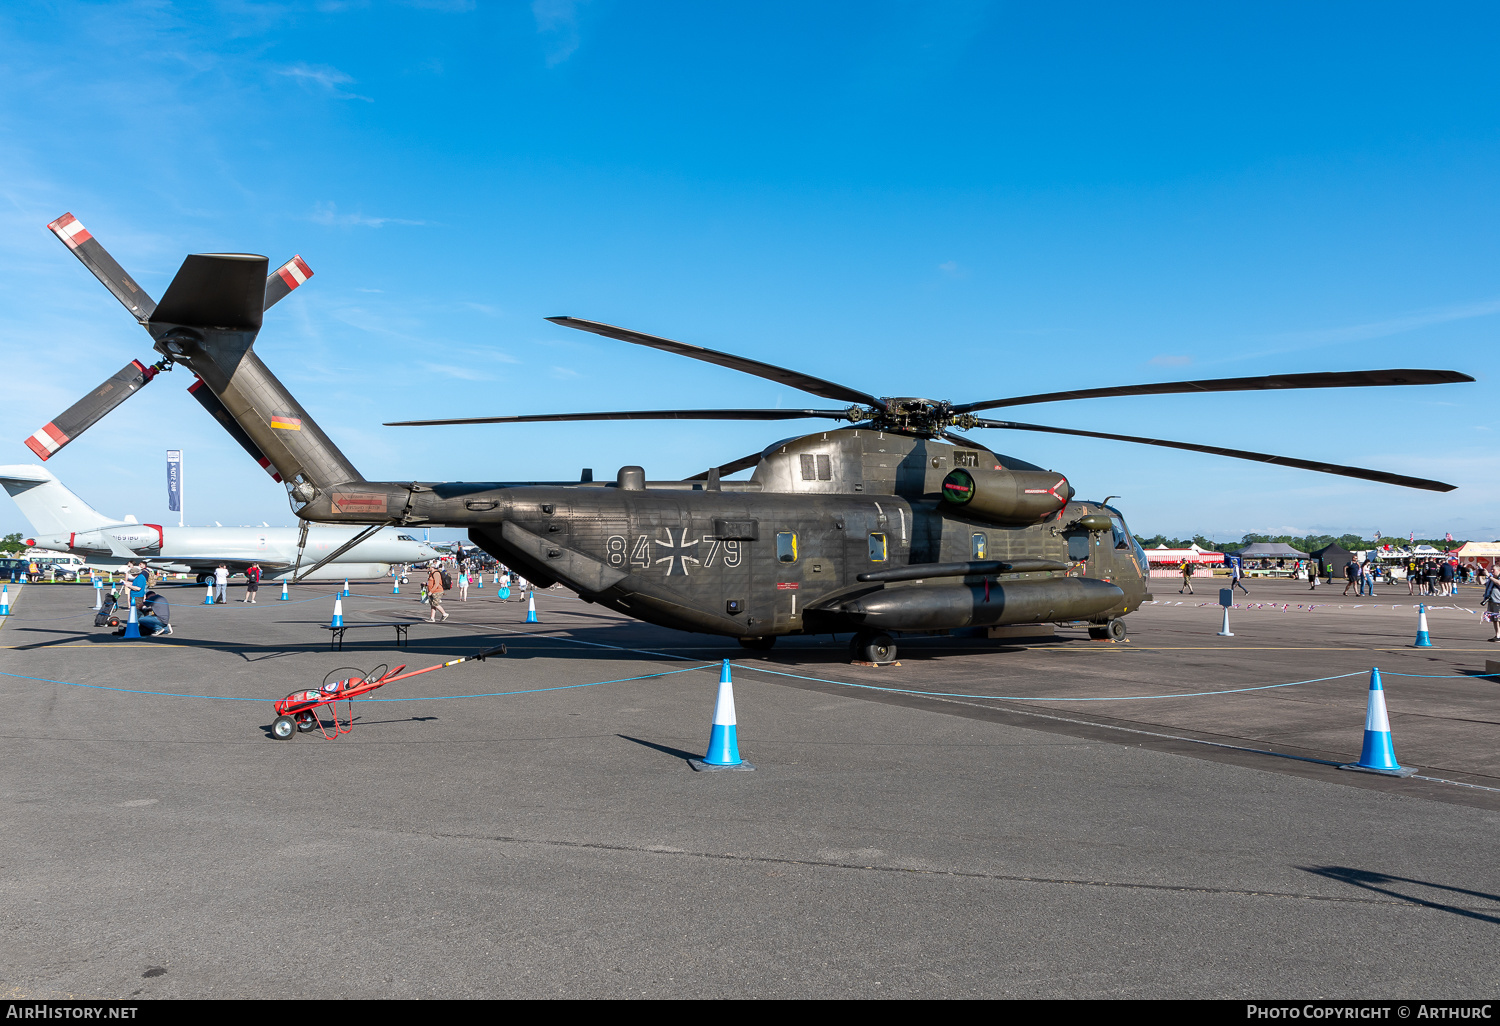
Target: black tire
202, 580
283, 728
872, 647
759, 644
306, 721
1115, 630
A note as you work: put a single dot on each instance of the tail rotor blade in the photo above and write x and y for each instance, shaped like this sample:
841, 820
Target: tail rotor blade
97, 259
219, 412
86, 412
281, 282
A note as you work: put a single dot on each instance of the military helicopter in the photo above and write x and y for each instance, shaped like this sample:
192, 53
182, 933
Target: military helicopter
890, 524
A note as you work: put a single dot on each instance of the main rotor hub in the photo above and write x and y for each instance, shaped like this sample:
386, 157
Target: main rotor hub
913, 415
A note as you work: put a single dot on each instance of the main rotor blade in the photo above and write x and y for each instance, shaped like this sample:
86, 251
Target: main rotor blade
637, 415
1240, 454
796, 379
1330, 379
743, 463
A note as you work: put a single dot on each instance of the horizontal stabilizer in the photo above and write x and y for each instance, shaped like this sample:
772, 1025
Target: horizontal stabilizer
216, 290
86, 412
220, 413
281, 282
97, 259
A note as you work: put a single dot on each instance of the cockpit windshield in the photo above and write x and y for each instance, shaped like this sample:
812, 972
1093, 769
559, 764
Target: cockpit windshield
1123, 538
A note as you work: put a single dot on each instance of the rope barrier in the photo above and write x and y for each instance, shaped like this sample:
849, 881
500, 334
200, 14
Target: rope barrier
1048, 698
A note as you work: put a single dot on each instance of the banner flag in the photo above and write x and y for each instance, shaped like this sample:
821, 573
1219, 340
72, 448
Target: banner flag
174, 480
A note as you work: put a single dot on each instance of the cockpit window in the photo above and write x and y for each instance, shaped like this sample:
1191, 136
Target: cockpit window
405, 537
1123, 540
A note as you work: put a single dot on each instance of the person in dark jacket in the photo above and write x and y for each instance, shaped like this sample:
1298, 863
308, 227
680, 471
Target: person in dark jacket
155, 614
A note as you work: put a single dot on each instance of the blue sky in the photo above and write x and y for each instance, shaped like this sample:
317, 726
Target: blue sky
959, 200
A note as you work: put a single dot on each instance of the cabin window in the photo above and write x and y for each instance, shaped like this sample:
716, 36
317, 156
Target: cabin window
878, 551
965, 458
405, 537
786, 546
979, 547
1117, 528
1078, 546
816, 467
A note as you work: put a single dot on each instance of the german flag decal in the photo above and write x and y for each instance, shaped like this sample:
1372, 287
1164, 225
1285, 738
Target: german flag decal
286, 423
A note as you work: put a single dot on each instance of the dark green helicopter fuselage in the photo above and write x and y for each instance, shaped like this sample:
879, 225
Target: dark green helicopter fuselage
782, 553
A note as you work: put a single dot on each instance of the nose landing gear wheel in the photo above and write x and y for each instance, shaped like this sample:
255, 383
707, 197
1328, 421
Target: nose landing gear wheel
872, 647
283, 728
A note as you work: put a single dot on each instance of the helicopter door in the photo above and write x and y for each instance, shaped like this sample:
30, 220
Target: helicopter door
788, 570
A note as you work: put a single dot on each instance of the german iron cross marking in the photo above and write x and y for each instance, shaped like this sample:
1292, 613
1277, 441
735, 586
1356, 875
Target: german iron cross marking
677, 557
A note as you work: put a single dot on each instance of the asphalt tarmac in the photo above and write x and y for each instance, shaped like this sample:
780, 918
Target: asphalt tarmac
890, 844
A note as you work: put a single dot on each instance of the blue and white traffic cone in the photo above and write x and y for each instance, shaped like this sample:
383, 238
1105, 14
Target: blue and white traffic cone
1423, 641
98, 595
1378, 755
531, 616
338, 612
4, 600
723, 742
481, 581
346, 587
132, 626
284, 596
208, 599
396, 586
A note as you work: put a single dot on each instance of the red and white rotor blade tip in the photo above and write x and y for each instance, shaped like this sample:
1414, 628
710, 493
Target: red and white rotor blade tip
89, 410
97, 259
281, 282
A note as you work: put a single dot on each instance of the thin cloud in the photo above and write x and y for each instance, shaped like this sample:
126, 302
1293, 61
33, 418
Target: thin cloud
327, 214
557, 24
1165, 360
331, 80
1298, 341
462, 373
953, 270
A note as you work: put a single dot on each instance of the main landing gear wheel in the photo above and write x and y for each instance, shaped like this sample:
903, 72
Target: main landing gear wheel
1112, 631
872, 647
283, 728
759, 644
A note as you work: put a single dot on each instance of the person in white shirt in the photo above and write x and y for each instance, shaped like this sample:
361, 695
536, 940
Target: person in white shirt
221, 584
